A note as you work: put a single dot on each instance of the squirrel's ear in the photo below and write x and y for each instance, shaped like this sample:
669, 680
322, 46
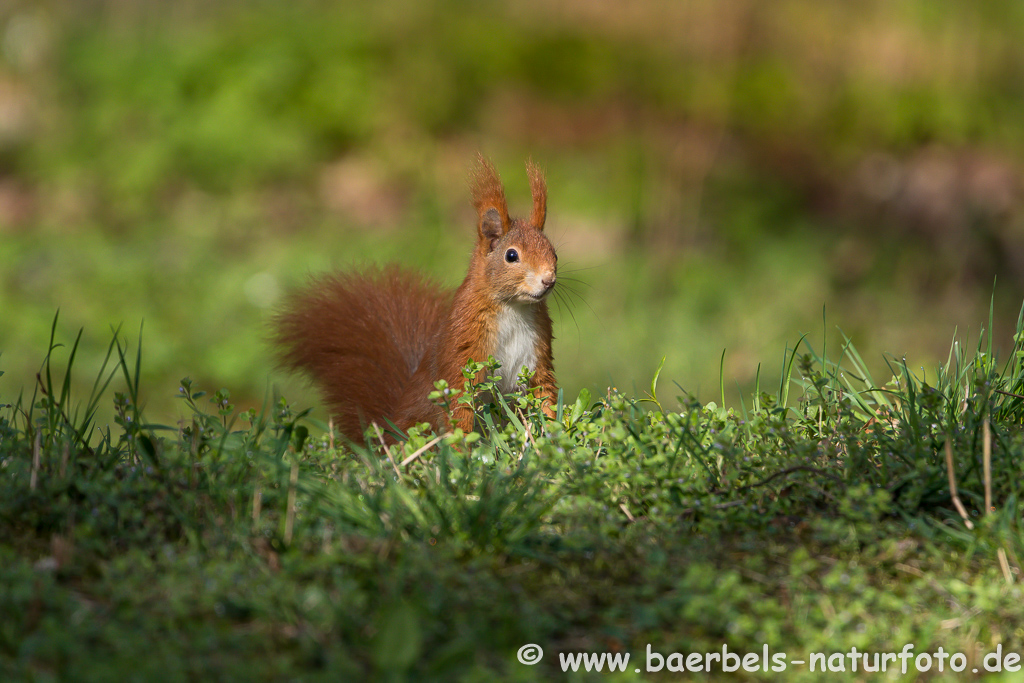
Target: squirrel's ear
539, 190
489, 200
491, 228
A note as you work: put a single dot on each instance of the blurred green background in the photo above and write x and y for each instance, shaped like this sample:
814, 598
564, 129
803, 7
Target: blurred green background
719, 173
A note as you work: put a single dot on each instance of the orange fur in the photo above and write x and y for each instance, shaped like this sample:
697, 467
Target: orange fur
363, 337
539, 190
376, 341
487, 189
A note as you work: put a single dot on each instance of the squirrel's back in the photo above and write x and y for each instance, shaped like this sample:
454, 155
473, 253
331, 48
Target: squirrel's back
365, 338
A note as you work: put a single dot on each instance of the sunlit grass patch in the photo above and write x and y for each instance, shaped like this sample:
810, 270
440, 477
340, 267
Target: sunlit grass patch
816, 516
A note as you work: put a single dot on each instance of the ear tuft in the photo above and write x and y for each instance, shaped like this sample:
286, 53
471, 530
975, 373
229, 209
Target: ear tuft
539, 190
489, 201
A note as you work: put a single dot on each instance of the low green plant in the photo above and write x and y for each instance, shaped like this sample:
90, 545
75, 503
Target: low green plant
819, 519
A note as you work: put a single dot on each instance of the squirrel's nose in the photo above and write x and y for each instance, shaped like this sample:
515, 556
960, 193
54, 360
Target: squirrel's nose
548, 281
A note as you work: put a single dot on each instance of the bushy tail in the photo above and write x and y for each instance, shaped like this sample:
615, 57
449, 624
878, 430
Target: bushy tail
361, 337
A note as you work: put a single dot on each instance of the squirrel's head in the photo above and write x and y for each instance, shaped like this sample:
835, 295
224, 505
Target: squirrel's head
519, 262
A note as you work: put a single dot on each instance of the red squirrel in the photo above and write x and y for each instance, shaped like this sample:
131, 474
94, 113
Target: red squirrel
376, 340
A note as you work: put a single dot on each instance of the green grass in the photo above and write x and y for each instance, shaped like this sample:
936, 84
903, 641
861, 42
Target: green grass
254, 545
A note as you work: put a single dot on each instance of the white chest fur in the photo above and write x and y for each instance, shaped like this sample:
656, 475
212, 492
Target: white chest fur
516, 343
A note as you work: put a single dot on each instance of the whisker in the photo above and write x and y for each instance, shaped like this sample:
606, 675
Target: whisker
579, 270
563, 292
587, 304
576, 281
559, 300
569, 291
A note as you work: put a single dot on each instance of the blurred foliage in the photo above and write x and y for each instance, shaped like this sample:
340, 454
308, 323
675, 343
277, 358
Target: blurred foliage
718, 170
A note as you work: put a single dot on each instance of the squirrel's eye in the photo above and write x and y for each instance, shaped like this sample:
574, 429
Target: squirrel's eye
511, 255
